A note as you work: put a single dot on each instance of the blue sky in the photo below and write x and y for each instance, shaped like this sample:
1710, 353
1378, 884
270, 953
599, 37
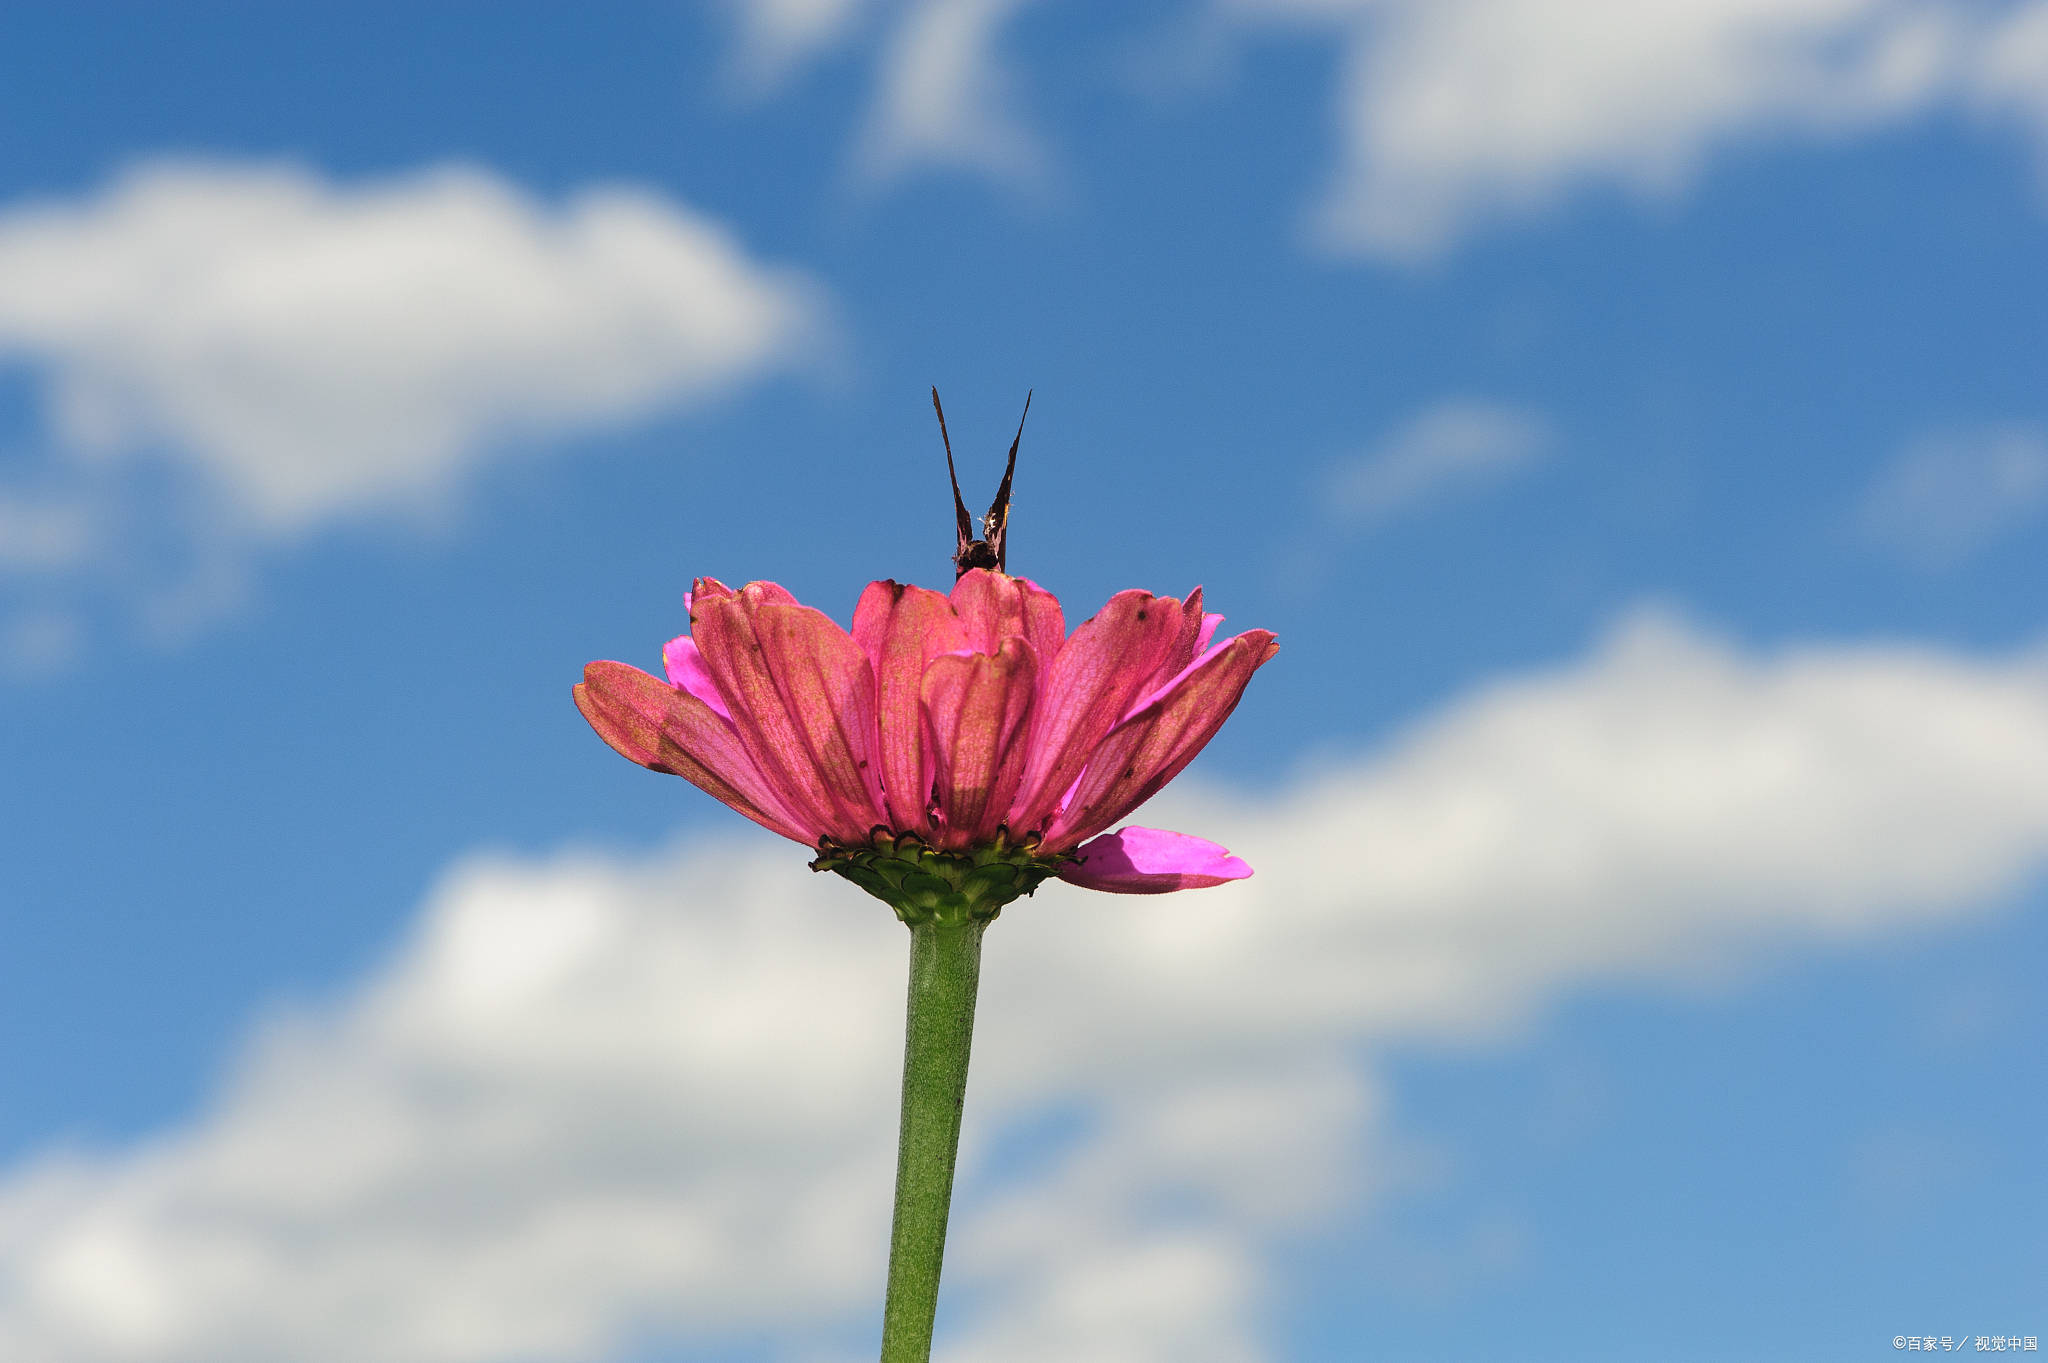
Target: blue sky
1629, 417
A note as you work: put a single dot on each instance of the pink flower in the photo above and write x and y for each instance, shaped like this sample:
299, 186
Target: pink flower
971, 728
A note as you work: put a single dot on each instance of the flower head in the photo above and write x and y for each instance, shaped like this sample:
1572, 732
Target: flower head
967, 737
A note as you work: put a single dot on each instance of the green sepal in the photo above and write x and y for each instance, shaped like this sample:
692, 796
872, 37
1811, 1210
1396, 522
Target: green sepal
926, 885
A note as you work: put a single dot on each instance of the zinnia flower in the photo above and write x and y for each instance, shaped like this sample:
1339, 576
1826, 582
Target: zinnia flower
950, 745
946, 756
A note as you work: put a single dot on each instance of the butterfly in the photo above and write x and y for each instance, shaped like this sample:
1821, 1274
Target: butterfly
990, 549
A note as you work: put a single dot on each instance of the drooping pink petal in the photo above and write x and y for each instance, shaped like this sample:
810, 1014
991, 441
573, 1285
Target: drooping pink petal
994, 606
978, 708
685, 667
1151, 861
803, 701
662, 728
901, 629
1086, 691
1150, 748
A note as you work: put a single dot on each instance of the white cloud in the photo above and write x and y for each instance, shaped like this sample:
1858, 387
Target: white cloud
41, 533
944, 97
776, 36
1909, 1171
236, 355
579, 1103
2012, 68
1951, 494
1454, 114
310, 350
38, 642
1453, 446
599, 1098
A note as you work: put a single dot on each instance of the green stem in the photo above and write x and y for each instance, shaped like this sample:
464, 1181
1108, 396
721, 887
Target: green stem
945, 969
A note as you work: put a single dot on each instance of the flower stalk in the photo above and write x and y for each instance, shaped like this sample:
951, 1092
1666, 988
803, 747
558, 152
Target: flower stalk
945, 972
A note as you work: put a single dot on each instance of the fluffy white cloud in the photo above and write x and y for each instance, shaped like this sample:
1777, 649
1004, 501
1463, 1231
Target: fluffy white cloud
235, 355
600, 1098
587, 1098
39, 533
778, 35
307, 350
1455, 113
1953, 493
1452, 446
943, 97
38, 642
2011, 73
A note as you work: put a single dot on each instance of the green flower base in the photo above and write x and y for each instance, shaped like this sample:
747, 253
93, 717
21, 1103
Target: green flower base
925, 885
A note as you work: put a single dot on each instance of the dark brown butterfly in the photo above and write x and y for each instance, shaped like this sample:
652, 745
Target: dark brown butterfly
991, 549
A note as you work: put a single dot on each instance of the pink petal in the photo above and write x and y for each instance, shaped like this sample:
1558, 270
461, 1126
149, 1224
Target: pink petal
1152, 861
1150, 748
1188, 643
712, 588
1184, 645
994, 606
803, 702
901, 629
685, 666
662, 728
978, 708
1086, 691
